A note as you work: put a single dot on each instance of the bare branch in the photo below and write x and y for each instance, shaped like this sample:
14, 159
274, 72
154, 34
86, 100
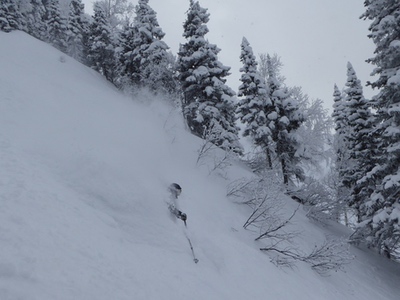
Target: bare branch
268, 218
278, 226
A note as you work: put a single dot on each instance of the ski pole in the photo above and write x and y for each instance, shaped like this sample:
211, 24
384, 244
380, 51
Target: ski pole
191, 246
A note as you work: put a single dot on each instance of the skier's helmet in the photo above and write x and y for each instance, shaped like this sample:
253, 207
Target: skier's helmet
175, 189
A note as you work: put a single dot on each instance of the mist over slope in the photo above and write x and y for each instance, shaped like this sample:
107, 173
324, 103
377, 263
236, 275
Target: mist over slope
84, 173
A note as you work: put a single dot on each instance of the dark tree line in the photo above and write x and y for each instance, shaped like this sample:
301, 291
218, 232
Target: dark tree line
368, 136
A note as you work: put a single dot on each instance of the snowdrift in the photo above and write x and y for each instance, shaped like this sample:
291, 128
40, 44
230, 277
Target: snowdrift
83, 177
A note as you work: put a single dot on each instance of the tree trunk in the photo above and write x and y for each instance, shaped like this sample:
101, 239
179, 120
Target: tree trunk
284, 172
269, 159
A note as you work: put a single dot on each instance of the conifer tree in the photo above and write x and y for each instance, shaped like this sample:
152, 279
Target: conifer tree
340, 118
36, 24
56, 26
255, 105
150, 53
353, 96
101, 49
284, 120
10, 17
24, 8
359, 141
189, 65
127, 66
341, 144
76, 30
207, 101
338, 114
382, 218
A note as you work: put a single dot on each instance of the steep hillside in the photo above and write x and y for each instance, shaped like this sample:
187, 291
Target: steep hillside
84, 173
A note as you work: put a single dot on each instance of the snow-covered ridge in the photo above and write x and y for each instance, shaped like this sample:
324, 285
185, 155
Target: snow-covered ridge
83, 178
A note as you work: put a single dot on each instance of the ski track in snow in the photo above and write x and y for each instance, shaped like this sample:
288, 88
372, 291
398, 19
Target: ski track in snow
84, 174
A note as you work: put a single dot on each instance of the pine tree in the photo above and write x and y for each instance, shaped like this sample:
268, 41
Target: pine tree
10, 17
76, 30
144, 61
190, 65
255, 105
338, 114
341, 145
56, 26
36, 24
150, 52
207, 101
24, 8
284, 121
359, 141
127, 66
382, 218
147, 31
353, 95
101, 49
340, 117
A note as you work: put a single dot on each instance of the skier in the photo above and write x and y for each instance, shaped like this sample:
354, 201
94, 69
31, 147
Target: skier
175, 190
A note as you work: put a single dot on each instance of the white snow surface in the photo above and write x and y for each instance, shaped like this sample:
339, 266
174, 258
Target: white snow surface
84, 174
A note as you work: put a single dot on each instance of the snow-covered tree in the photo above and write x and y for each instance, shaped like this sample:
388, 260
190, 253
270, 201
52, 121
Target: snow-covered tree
117, 12
340, 146
315, 132
352, 96
266, 61
150, 53
190, 63
101, 49
338, 114
359, 140
36, 24
24, 8
254, 105
76, 30
10, 17
127, 66
319, 189
382, 220
144, 59
207, 101
56, 26
285, 120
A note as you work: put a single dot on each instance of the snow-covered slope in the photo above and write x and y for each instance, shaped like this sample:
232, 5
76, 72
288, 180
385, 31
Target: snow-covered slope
83, 178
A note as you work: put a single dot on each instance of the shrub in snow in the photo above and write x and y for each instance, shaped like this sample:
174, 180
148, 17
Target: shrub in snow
272, 228
216, 159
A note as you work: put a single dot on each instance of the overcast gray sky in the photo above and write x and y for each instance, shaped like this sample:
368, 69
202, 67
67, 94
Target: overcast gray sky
314, 38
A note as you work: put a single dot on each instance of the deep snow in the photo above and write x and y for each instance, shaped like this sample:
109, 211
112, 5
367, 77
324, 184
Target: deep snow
84, 173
